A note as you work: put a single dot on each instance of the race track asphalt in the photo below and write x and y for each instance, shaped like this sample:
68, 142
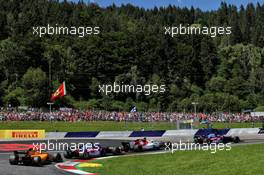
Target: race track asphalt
50, 169
7, 169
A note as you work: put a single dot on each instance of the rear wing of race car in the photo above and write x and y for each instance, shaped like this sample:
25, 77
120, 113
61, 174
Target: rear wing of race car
20, 152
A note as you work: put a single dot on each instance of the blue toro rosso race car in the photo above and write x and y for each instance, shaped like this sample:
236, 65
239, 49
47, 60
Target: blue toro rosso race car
214, 136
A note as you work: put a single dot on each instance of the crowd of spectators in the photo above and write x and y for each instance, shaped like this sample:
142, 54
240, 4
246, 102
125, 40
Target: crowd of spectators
75, 115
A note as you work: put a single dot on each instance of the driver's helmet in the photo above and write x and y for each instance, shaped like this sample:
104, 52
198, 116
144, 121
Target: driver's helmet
212, 135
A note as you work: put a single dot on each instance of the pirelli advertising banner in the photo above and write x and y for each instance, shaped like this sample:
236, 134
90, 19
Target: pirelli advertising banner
22, 134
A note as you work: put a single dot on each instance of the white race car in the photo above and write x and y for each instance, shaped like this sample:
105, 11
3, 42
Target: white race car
143, 145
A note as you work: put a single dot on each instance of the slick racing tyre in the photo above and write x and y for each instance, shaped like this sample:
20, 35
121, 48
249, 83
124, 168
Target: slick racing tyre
126, 146
37, 161
13, 160
236, 139
57, 157
140, 148
118, 150
86, 155
67, 155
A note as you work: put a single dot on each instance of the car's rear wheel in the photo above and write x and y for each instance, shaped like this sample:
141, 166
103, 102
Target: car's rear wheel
140, 148
37, 161
208, 141
126, 146
236, 139
118, 150
103, 152
13, 159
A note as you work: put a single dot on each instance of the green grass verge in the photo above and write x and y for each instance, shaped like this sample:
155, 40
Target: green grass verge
105, 126
243, 160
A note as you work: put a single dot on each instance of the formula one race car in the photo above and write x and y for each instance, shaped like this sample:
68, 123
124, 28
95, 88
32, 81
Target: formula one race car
91, 150
33, 157
214, 136
143, 145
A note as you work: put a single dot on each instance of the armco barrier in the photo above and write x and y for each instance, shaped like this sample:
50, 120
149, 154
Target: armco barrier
147, 133
113, 134
55, 135
243, 132
184, 134
82, 134
179, 135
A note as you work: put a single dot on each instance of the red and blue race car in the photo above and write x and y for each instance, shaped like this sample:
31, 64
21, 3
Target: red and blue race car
214, 136
91, 150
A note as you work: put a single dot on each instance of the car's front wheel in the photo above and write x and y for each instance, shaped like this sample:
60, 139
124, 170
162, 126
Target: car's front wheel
57, 157
86, 155
37, 161
67, 155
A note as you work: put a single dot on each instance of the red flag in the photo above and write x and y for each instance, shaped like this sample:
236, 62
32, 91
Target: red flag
60, 92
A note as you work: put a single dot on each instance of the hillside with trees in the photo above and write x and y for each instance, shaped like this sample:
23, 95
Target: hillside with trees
224, 73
